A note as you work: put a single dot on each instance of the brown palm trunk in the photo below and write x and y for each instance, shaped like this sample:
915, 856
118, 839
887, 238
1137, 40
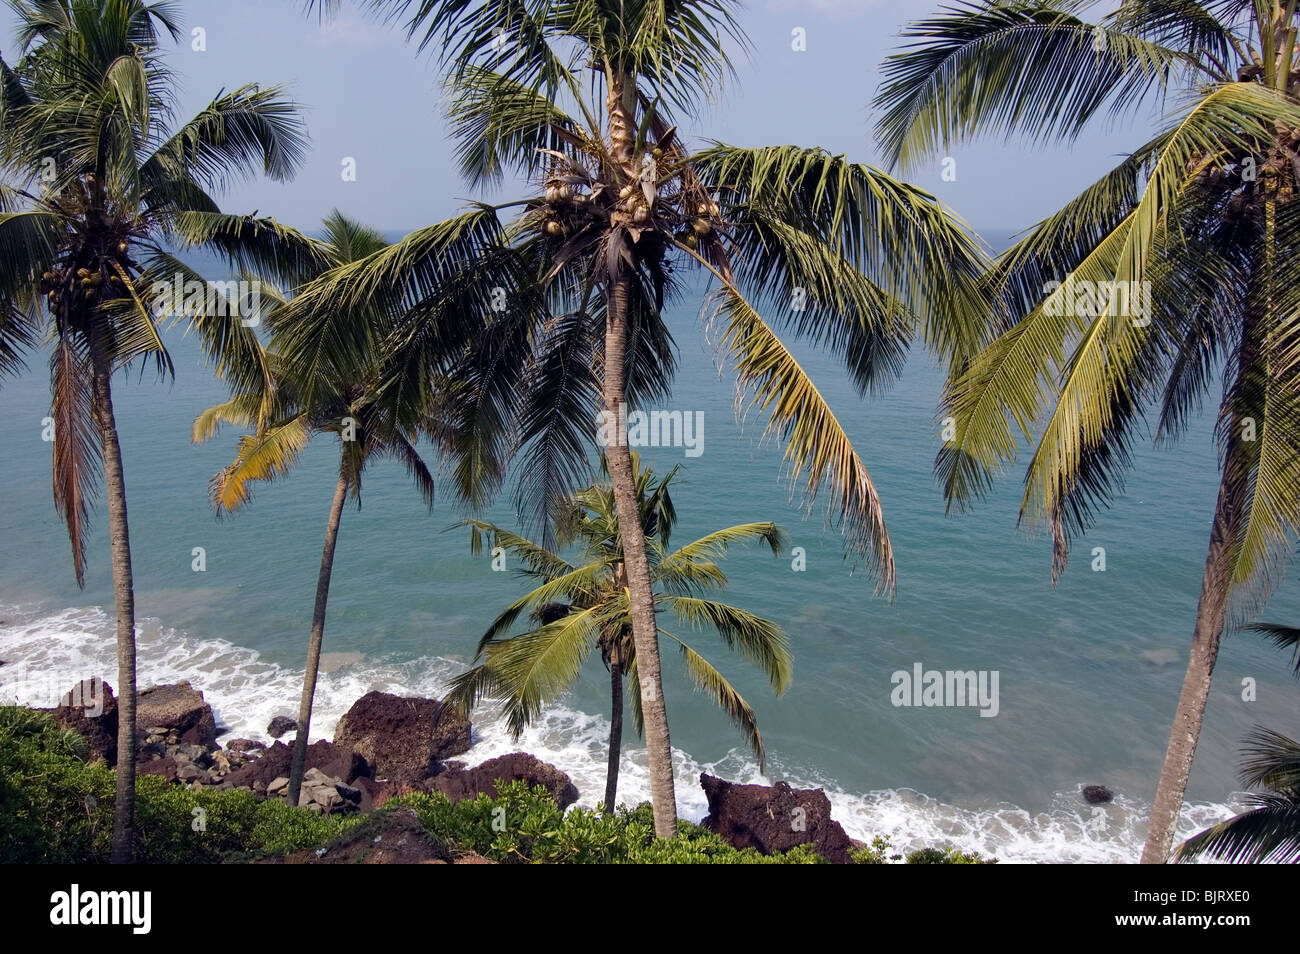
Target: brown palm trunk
1216, 582
123, 606
645, 633
615, 732
317, 635
1210, 613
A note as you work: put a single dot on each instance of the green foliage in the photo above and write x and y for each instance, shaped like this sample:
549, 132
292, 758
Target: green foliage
880, 854
56, 808
526, 826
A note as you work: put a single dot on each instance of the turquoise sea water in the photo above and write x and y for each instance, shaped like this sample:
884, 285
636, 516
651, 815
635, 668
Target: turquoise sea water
1089, 672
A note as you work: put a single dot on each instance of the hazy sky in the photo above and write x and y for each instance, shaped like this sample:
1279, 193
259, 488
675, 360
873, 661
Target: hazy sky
369, 96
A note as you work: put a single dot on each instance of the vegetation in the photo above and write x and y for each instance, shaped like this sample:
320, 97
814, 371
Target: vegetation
1169, 276
582, 99
577, 608
54, 807
93, 184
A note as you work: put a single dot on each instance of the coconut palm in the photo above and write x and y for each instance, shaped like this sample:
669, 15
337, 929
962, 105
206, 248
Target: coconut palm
580, 98
1270, 831
284, 413
583, 605
95, 176
1196, 228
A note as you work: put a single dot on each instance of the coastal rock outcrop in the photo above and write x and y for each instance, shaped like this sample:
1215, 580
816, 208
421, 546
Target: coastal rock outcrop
774, 818
90, 708
334, 760
462, 783
179, 708
404, 738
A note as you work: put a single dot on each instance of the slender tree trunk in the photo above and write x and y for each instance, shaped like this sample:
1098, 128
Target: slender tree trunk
1210, 613
1216, 583
123, 605
645, 633
615, 732
317, 635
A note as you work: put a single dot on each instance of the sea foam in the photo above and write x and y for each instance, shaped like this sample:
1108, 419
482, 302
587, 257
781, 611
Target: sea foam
46, 653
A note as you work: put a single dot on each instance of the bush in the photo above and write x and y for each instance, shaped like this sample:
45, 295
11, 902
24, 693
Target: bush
526, 826
54, 807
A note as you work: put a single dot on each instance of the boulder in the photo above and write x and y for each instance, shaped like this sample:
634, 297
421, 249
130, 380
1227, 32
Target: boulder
404, 738
280, 725
1097, 795
774, 818
334, 760
244, 746
91, 709
384, 839
461, 783
178, 708
166, 766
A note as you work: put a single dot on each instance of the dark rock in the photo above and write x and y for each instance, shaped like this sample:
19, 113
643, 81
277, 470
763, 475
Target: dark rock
166, 766
89, 708
332, 759
404, 738
373, 794
179, 708
460, 784
280, 725
244, 746
383, 839
1097, 795
775, 818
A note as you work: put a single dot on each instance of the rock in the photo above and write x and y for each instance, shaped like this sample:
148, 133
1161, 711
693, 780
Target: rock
179, 708
1097, 795
279, 786
244, 746
460, 784
334, 760
280, 725
775, 818
384, 839
348, 793
166, 766
404, 738
189, 772
91, 709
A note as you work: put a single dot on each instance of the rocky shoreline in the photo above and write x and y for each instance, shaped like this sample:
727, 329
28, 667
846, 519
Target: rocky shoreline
388, 745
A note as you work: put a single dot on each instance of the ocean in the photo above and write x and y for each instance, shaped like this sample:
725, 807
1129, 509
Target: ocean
1088, 672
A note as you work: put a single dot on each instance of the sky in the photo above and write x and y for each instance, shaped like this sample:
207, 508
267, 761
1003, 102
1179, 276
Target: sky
368, 95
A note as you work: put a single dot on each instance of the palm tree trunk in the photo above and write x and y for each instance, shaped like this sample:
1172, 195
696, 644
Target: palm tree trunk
615, 733
123, 606
1212, 607
317, 635
1210, 613
645, 633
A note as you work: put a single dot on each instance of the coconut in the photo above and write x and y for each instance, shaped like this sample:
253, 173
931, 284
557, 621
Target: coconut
554, 228
640, 215
702, 227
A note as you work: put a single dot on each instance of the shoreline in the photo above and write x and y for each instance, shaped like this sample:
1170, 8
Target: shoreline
246, 693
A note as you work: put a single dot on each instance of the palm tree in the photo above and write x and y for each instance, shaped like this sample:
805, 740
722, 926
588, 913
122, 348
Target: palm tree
1195, 229
578, 97
1270, 831
284, 412
584, 605
95, 179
